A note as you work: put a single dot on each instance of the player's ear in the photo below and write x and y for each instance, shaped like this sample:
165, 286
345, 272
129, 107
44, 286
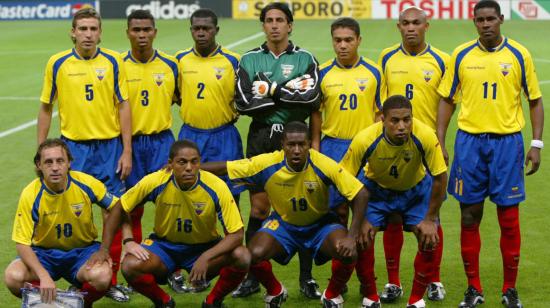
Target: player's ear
217, 29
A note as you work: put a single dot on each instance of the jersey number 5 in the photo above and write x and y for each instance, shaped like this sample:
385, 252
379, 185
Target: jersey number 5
89, 92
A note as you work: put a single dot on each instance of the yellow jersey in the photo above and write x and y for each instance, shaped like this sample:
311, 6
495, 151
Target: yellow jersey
300, 198
415, 76
87, 91
60, 220
395, 167
186, 216
351, 97
207, 87
152, 88
491, 82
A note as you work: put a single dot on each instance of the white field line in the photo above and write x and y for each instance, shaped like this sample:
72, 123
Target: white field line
55, 114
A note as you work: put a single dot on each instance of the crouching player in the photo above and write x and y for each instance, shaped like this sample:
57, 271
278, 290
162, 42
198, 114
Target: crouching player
54, 230
401, 164
187, 204
297, 181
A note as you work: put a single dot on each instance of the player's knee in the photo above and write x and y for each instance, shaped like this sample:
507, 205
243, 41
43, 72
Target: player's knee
100, 277
130, 266
242, 258
259, 211
257, 254
14, 280
471, 215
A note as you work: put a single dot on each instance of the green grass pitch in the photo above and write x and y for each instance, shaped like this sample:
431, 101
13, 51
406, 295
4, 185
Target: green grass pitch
27, 45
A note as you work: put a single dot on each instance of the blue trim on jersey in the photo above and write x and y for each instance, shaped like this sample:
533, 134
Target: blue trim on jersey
369, 151
320, 173
232, 59
182, 54
106, 201
388, 56
260, 178
87, 189
173, 65
518, 55
115, 74
129, 56
325, 71
377, 74
36, 205
422, 152
152, 196
438, 59
56, 66
216, 200
459, 58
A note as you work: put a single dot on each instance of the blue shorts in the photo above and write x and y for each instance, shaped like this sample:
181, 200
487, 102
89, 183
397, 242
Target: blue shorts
293, 238
334, 148
149, 154
412, 204
98, 158
218, 144
176, 255
488, 165
65, 264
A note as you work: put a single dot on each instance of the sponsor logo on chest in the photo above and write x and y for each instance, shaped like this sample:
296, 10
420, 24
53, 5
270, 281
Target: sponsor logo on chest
286, 69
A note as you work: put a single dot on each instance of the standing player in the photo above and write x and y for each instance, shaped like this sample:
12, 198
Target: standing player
54, 230
353, 90
296, 180
152, 77
401, 164
490, 73
89, 85
187, 204
277, 83
413, 69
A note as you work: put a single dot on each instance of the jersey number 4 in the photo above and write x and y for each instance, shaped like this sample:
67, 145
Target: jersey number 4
393, 172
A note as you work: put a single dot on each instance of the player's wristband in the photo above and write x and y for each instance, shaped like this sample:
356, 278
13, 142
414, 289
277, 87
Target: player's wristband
537, 144
126, 240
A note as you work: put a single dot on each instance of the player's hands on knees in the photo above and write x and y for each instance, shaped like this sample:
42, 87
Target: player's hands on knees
366, 237
98, 257
346, 247
124, 165
198, 273
427, 237
136, 250
48, 291
532, 156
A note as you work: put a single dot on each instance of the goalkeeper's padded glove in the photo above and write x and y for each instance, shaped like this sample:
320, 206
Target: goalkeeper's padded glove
263, 87
304, 82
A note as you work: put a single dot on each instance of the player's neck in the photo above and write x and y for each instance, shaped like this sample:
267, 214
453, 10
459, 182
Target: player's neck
393, 141
205, 52
414, 50
277, 48
491, 43
57, 187
348, 62
85, 54
143, 55
185, 186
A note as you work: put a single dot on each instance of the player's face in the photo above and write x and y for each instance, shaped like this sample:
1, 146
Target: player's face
345, 43
141, 33
413, 27
296, 147
488, 22
398, 124
185, 165
86, 33
204, 32
276, 26
54, 165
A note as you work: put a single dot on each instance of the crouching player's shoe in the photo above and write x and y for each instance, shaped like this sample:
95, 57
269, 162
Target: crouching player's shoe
176, 281
391, 293
310, 289
170, 304
472, 298
276, 301
116, 293
510, 299
368, 303
420, 304
436, 291
247, 288
337, 302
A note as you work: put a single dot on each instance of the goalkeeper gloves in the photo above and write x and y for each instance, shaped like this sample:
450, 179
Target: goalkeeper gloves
263, 86
304, 82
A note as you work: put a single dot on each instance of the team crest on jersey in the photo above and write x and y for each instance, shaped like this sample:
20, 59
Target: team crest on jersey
287, 69
505, 68
362, 83
77, 208
407, 156
311, 186
219, 72
199, 207
159, 78
428, 74
100, 72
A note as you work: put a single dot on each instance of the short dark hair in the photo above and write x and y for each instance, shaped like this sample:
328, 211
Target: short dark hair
281, 6
182, 144
87, 12
487, 4
346, 22
48, 144
296, 127
141, 14
204, 13
396, 102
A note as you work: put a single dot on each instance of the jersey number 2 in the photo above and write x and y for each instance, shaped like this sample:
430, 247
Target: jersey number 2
201, 87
